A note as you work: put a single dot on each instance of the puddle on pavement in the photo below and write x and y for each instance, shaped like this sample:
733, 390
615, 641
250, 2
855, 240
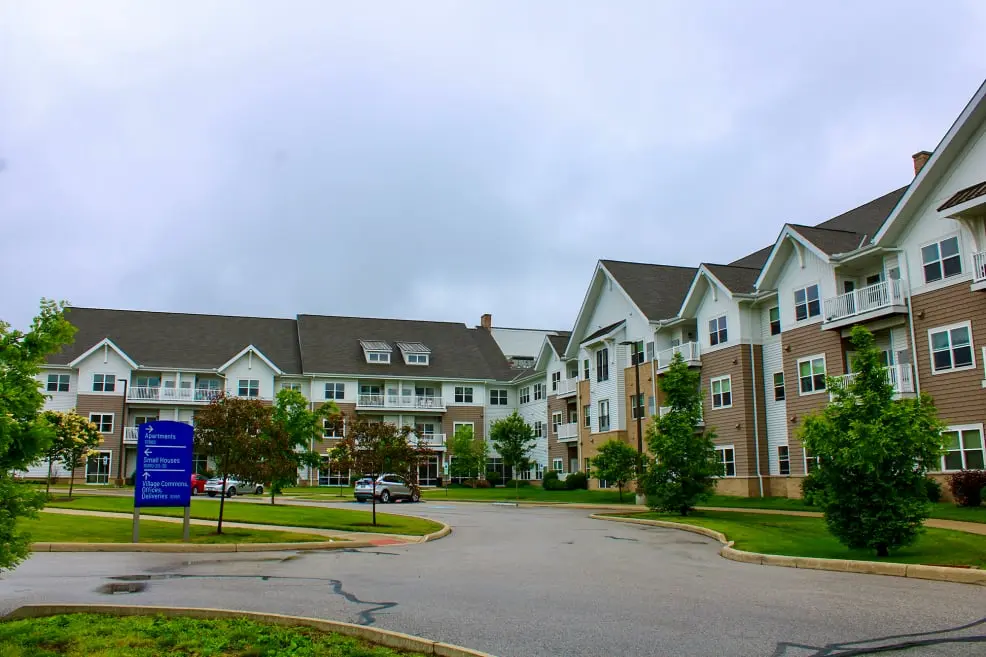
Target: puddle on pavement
113, 588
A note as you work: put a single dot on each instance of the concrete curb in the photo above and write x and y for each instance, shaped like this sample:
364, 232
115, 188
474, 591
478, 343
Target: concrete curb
441, 533
916, 571
396, 640
198, 547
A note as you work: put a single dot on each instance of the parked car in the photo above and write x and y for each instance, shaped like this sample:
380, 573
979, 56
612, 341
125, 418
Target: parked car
390, 488
214, 487
198, 484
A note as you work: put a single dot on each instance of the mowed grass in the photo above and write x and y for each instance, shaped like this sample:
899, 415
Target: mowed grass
263, 514
523, 493
57, 528
94, 635
799, 536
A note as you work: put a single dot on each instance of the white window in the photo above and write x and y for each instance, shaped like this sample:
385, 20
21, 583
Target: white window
637, 352
941, 259
331, 476
555, 422
778, 386
498, 397
556, 465
538, 391
603, 415
951, 348
587, 416
965, 448
378, 357
722, 392
248, 388
416, 359
58, 382
335, 390
783, 460
811, 374
717, 330
585, 369
649, 351
811, 462
774, 315
602, 365
651, 406
103, 382
555, 380
147, 382
103, 421
806, 303
285, 385
331, 429
459, 425
637, 406
524, 395
727, 456
463, 394
98, 467
538, 429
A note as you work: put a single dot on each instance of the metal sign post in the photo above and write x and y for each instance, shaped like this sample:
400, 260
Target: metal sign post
164, 469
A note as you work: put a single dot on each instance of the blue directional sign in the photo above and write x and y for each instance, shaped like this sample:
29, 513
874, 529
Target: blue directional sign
164, 464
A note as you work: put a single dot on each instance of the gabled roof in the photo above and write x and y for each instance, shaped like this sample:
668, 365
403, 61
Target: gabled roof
867, 218
657, 290
247, 350
738, 280
756, 260
109, 344
182, 340
603, 331
559, 341
331, 345
945, 154
831, 241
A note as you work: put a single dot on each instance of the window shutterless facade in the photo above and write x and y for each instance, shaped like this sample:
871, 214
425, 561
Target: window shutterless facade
416, 359
498, 397
941, 259
58, 382
538, 429
98, 467
377, 357
726, 455
602, 365
524, 395
331, 429
775, 320
783, 460
538, 391
811, 374
603, 415
965, 448
556, 465
335, 390
147, 382
811, 462
555, 380
806, 303
637, 352
287, 385
463, 394
649, 352
555, 422
722, 392
103, 421
103, 382
637, 406
951, 348
248, 388
717, 330
778, 386
587, 416
585, 369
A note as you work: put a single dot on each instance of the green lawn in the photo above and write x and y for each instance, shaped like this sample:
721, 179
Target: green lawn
942, 510
265, 514
523, 493
55, 528
94, 635
807, 537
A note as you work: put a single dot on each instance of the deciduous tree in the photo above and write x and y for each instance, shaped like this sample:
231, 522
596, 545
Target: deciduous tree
74, 439
513, 439
468, 454
873, 455
616, 462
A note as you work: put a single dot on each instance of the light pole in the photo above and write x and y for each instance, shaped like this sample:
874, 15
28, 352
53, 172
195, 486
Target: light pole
638, 404
123, 429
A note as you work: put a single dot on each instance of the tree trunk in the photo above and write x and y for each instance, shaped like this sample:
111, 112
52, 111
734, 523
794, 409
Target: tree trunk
620, 488
272, 493
684, 511
881, 550
48, 481
222, 503
71, 481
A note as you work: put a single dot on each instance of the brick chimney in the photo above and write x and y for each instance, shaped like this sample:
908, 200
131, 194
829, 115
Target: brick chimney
920, 159
486, 321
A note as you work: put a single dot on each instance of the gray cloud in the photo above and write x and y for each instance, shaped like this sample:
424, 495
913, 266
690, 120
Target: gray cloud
439, 160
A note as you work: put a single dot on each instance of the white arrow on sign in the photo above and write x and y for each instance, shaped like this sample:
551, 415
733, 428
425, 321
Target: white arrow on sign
146, 475
147, 451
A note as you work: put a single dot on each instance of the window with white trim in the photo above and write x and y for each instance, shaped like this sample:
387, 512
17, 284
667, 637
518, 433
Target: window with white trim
651, 406
555, 422
285, 385
774, 316
941, 259
726, 455
98, 467
649, 352
811, 374
147, 382
538, 429
103, 421
103, 382
779, 386
538, 391
416, 359
585, 369
556, 465
783, 459
637, 406
378, 357
524, 395
806, 303
602, 364
331, 428
811, 462
965, 448
248, 388
722, 392
717, 330
331, 476
587, 416
636, 352
555, 380
951, 348
603, 415
58, 382
335, 390
498, 397
463, 394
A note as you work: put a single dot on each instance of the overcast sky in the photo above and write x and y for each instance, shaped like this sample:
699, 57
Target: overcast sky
438, 160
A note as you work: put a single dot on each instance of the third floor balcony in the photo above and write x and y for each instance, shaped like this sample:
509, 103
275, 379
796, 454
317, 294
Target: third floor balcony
399, 402
568, 433
870, 302
979, 269
565, 387
689, 351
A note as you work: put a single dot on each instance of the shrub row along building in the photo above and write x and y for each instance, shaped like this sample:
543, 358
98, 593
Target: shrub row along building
764, 330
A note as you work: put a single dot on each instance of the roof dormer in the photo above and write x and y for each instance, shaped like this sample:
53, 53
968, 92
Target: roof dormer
376, 351
415, 353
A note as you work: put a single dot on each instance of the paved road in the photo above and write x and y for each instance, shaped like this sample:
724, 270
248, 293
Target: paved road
538, 581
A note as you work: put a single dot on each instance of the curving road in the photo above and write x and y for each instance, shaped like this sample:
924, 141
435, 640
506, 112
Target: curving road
541, 581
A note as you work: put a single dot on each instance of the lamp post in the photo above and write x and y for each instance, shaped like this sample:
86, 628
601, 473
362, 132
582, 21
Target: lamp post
123, 430
638, 404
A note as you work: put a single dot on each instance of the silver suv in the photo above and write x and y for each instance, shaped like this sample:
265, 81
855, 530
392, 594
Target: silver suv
390, 488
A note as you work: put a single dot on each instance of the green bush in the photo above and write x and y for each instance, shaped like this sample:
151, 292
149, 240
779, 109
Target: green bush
934, 490
577, 481
967, 487
811, 491
516, 483
494, 478
550, 481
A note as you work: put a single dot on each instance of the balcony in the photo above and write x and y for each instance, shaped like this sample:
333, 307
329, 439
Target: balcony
182, 395
566, 388
400, 402
429, 440
979, 270
899, 376
568, 433
689, 351
879, 300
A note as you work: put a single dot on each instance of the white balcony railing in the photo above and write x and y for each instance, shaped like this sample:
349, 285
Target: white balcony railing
141, 393
979, 267
689, 352
864, 300
406, 402
566, 387
568, 432
130, 435
899, 376
429, 439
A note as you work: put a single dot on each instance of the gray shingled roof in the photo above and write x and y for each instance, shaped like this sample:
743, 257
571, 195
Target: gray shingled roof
756, 260
560, 341
603, 331
332, 345
658, 290
867, 218
831, 241
736, 279
155, 339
